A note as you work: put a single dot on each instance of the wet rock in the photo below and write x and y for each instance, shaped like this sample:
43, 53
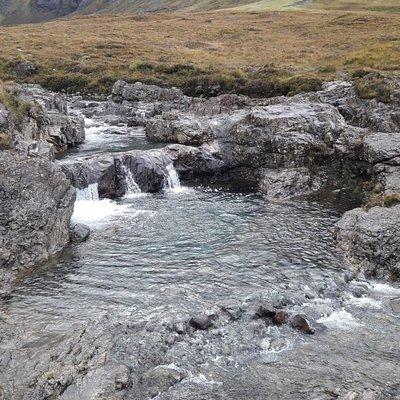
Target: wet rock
201, 322
148, 168
349, 276
36, 206
235, 312
160, 379
281, 317
265, 311
359, 289
370, 240
80, 233
301, 323
265, 344
23, 69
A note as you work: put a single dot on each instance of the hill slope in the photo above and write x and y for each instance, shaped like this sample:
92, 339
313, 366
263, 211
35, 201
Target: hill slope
20, 11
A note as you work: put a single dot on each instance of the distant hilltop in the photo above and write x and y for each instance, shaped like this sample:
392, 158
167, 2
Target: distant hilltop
27, 11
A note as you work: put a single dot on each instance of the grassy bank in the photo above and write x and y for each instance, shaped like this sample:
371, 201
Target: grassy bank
255, 53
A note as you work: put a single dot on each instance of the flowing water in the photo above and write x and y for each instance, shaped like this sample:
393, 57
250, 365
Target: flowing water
189, 248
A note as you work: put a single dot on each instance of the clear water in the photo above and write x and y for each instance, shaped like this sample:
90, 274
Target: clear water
179, 249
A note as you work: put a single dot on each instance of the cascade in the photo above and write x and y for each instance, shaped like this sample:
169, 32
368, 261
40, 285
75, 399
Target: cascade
131, 186
171, 179
89, 193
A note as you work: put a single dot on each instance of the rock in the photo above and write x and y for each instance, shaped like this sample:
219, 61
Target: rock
219, 104
301, 323
235, 312
80, 233
23, 69
148, 168
160, 379
381, 147
359, 289
395, 305
37, 203
265, 311
280, 317
148, 93
286, 183
201, 322
370, 240
349, 276
180, 128
265, 344
192, 162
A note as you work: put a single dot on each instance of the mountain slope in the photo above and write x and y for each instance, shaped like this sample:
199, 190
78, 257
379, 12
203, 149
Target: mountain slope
20, 11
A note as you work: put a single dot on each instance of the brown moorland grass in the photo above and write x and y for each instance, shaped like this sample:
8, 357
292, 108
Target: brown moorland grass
257, 53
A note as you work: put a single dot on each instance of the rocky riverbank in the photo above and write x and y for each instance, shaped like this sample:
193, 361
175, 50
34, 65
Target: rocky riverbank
36, 198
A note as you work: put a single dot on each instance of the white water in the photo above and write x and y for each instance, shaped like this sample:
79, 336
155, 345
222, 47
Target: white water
172, 178
132, 188
90, 210
340, 319
90, 193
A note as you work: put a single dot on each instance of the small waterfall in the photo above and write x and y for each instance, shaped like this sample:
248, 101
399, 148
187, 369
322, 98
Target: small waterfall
131, 186
89, 193
172, 178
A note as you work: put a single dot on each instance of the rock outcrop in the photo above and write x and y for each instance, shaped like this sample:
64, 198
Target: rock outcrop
36, 198
370, 240
148, 168
36, 206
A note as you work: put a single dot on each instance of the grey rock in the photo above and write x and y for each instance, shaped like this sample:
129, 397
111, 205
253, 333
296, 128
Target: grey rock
37, 203
161, 379
173, 127
381, 147
287, 183
23, 69
201, 322
370, 240
80, 233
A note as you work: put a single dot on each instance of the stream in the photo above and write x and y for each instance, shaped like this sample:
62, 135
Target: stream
156, 257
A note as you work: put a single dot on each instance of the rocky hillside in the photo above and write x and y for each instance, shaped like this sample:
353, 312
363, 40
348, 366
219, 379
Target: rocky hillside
21, 11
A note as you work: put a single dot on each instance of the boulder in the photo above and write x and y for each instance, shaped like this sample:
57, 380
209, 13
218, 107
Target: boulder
37, 203
301, 323
370, 240
201, 322
23, 69
80, 233
382, 147
174, 127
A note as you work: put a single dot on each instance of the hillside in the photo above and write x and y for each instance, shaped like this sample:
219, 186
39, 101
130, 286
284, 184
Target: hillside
260, 54
22, 11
